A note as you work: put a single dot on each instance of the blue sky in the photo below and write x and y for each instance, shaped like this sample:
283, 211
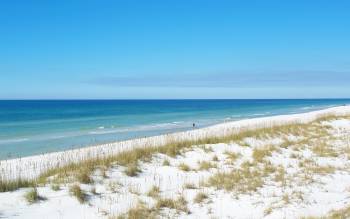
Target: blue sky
174, 49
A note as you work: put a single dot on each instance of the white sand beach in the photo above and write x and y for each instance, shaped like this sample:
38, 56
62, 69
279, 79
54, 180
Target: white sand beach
288, 166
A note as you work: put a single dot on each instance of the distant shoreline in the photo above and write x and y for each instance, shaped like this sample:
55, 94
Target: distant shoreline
36, 127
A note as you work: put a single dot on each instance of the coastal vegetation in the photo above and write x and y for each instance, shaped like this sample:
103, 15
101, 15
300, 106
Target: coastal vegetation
82, 170
77, 192
286, 157
32, 196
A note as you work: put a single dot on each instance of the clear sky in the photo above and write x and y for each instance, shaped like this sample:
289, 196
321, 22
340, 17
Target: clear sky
174, 49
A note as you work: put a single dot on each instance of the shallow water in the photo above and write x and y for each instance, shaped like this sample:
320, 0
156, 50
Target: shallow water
34, 127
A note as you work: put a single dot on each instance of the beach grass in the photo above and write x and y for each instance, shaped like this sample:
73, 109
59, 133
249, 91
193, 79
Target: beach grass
82, 170
274, 158
11, 185
77, 192
206, 165
132, 169
32, 196
200, 197
137, 212
154, 192
179, 204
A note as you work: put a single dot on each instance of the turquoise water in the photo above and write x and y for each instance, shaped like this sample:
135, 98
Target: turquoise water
35, 127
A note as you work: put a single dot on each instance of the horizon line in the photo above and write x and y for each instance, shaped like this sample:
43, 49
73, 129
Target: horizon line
97, 99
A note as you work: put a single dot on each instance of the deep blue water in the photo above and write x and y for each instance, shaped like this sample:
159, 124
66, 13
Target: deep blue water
34, 127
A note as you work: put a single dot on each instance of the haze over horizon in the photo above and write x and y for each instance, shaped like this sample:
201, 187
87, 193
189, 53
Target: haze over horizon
174, 49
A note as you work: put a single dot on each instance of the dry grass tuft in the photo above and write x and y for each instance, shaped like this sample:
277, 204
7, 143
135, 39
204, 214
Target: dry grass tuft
200, 197
154, 192
268, 211
184, 167
166, 163
280, 175
140, 211
190, 186
32, 196
259, 154
286, 199
206, 165
239, 180
340, 213
132, 170
8, 186
84, 176
322, 149
179, 204
77, 192
207, 148
232, 156
55, 187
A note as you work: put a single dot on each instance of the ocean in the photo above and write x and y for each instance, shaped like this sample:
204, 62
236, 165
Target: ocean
29, 127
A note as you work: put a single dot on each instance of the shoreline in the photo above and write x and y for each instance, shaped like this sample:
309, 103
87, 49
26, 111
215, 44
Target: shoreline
32, 166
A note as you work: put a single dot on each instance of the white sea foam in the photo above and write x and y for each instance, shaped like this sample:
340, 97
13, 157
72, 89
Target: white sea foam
139, 128
14, 140
57, 136
104, 132
308, 107
259, 114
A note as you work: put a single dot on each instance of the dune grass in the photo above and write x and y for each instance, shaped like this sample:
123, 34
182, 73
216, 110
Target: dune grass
132, 169
190, 186
322, 149
84, 176
241, 180
200, 197
77, 192
55, 187
166, 162
140, 211
179, 204
260, 153
206, 165
32, 196
184, 167
154, 192
342, 213
82, 170
249, 176
8, 186
232, 156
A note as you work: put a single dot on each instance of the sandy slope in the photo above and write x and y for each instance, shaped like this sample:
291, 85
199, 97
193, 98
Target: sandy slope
315, 180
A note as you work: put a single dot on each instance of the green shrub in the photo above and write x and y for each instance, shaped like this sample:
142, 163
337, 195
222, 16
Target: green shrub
32, 196
166, 163
55, 187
